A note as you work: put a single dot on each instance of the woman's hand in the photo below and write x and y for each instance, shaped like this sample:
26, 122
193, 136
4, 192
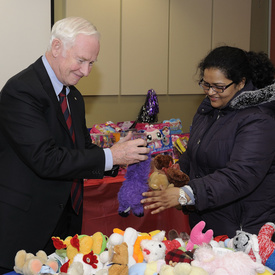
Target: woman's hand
161, 200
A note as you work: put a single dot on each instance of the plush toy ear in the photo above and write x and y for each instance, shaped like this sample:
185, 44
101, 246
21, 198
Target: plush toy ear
20, 259
173, 234
33, 267
53, 265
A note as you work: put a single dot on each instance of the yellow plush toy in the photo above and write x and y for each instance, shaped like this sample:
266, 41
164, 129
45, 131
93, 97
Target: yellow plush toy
77, 245
182, 268
99, 243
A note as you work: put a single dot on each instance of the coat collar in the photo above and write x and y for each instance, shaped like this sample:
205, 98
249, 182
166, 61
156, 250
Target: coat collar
249, 96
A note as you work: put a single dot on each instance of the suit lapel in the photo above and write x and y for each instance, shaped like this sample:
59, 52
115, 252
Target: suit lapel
48, 88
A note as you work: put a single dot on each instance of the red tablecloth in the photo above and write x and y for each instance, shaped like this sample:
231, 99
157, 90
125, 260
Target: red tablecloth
100, 211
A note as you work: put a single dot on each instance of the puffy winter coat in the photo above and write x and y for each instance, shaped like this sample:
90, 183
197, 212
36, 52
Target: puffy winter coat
231, 162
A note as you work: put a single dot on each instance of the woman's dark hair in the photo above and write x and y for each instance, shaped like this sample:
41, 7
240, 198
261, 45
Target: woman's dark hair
236, 64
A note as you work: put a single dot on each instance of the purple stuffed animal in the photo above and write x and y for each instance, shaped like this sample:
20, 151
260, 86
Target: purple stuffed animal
130, 193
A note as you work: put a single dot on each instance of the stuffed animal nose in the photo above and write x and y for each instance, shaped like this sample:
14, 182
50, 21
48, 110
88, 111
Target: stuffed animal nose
146, 251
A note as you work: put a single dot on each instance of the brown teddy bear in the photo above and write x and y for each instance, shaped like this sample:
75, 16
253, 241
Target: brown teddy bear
119, 265
166, 174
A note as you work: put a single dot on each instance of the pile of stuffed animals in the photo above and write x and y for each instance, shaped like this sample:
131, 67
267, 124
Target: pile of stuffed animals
155, 253
135, 253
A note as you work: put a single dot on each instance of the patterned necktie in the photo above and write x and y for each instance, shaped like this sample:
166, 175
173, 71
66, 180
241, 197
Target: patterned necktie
76, 191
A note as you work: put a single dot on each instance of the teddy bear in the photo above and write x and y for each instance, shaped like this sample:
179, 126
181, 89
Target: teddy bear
129, 236
228, 263
162, 161
119, 265
166, 174
30, 264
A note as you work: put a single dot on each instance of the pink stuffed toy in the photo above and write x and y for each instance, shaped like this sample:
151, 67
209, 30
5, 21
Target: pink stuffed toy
230, 263
197, 237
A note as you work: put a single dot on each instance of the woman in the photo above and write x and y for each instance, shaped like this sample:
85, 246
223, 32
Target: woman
230, 157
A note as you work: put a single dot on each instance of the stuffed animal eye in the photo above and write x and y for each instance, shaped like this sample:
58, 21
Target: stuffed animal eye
159, 135
149, 138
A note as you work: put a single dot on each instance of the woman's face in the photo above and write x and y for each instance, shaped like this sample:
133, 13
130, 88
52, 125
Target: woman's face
216, 77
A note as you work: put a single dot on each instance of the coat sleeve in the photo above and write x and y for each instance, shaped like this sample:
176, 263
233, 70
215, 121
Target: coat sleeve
184, 163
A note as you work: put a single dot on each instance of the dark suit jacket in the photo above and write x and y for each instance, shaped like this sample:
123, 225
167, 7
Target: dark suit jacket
38, 160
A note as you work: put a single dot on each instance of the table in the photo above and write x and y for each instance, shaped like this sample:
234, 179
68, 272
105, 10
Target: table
100, 211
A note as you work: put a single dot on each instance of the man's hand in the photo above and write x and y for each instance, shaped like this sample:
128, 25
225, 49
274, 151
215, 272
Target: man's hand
127, 151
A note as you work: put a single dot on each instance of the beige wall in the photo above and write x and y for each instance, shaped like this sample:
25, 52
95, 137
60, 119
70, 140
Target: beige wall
120, 108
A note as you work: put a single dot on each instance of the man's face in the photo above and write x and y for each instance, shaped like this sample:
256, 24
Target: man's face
75, 62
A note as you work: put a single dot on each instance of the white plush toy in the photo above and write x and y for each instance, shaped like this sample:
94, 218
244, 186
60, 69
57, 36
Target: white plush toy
75, 268
153, 250
114, 239
130, 236
90, 263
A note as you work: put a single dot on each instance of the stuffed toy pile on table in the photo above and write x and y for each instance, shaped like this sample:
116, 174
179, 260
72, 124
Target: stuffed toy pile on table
136, 253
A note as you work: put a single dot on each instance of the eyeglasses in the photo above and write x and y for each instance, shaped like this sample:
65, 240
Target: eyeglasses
218, 89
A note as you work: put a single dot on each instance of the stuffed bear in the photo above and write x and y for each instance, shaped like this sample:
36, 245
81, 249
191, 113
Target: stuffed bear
162, 161
158, 180
119, 264
166, 174
30, 264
